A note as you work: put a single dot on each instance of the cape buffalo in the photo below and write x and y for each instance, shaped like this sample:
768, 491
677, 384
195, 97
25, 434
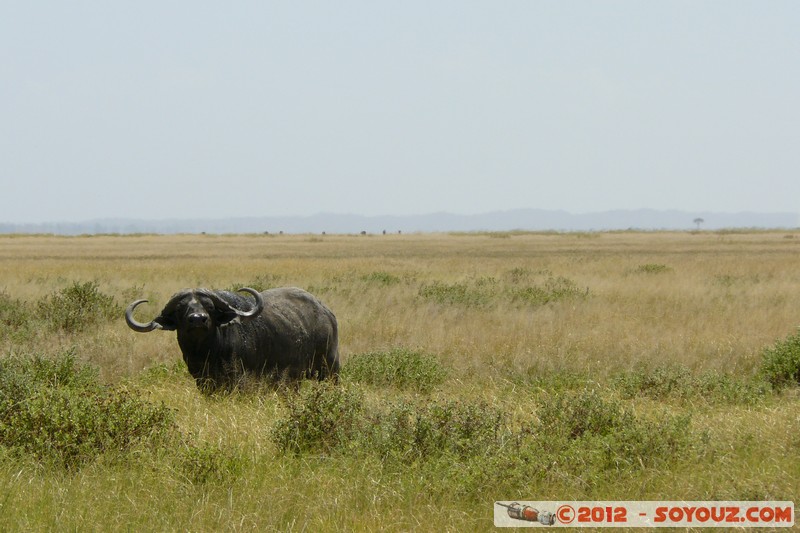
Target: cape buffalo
285, 333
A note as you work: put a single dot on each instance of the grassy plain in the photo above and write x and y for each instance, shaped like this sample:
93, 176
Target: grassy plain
583, 366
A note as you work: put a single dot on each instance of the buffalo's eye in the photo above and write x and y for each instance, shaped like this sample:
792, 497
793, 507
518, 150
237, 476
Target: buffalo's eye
207, 304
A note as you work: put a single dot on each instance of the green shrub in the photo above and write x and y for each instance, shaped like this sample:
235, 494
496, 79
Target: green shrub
18, 322
472, 446
648, 442
71, 427
553, 289
780, 363
575, 413
207, 463
15, 317
657, 383
459, 293
725, 388
322, 417
77, 307
459, 429
518, 274
21, 376
677, 381
399, 367
583, 430
56, 411
483, 291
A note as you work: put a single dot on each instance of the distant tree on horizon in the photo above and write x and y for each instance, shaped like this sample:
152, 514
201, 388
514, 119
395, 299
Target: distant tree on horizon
698, 221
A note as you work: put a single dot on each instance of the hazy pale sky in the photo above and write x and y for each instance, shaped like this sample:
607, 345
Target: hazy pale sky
194, 109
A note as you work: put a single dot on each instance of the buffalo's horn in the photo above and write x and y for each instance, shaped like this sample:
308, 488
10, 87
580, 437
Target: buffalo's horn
138, 326
256, 310
222, 304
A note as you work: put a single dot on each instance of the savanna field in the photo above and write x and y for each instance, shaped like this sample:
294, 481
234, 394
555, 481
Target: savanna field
475, 368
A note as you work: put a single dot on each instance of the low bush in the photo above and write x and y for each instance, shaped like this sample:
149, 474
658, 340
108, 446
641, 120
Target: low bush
459, 293
483, 291
553, 289
470, 447
647, 442
55, 410
574, 414
381, 278
725, 388
21, 376
409, 432
780, 363
15, 317
399, 367
207, 463
518, 274
674, 381
668, 380
582, 429
322, 418
77, 307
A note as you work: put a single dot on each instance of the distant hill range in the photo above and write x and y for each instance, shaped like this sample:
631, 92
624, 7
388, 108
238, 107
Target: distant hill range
518, 219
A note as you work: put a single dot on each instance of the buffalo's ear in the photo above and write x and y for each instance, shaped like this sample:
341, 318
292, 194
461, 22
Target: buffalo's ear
224, 311
167, 322
224, 317
168, 319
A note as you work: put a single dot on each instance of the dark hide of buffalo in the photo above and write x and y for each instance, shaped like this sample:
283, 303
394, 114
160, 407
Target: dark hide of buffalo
283, 333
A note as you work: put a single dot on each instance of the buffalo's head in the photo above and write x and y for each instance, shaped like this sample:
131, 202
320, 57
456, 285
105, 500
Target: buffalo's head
195, 311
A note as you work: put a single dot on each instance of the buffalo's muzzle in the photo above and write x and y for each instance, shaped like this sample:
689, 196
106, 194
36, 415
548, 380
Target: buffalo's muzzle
198, 320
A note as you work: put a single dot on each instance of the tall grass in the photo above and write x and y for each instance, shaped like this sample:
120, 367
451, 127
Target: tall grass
476, 367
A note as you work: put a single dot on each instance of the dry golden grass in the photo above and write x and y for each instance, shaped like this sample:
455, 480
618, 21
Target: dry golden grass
719, 298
